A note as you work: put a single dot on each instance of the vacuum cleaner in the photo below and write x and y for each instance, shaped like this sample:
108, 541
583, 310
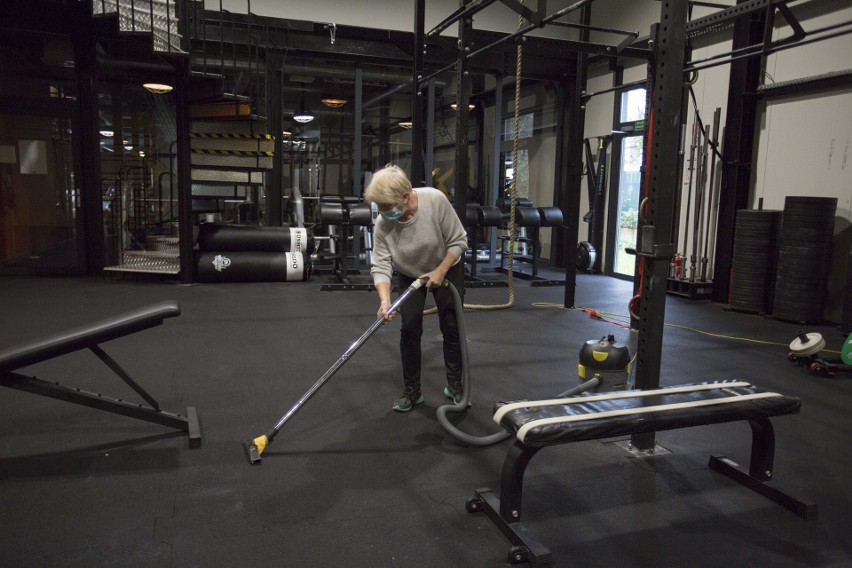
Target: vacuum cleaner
255, 447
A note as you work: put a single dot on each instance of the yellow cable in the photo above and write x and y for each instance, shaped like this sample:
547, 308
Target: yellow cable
711, 334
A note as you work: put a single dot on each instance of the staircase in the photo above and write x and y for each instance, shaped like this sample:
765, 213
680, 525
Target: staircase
229, 147
157, 17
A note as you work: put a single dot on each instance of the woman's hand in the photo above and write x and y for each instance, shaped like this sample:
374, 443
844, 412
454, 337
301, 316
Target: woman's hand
383, 310
435, 278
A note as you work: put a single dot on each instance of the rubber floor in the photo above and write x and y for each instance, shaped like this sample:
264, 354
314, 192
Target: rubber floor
348, 482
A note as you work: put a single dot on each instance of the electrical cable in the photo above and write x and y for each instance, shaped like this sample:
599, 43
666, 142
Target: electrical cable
598, 315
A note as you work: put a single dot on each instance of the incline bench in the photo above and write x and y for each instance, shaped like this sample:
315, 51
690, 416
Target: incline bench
536, 424
89, 337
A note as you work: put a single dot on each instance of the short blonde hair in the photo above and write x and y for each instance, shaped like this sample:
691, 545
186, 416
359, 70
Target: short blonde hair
388, 186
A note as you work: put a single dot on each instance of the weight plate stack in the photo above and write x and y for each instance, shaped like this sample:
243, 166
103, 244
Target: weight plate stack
804, 259
754, 261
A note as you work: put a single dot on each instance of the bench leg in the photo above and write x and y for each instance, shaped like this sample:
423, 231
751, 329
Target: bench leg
189, 424
760, 469
505, 511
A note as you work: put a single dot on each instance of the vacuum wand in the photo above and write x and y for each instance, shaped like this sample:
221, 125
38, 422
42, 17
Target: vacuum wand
254, 448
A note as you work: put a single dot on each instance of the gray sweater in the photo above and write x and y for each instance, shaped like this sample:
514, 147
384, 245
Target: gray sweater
418, 245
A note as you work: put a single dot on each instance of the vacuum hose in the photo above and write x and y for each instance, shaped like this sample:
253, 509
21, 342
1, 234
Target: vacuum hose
464, 403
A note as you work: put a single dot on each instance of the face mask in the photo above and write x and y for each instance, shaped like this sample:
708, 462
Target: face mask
392, 215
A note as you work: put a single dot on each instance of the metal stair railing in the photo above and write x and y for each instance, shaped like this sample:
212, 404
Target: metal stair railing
157, 17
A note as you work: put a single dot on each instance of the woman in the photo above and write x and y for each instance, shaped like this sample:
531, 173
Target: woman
418, 235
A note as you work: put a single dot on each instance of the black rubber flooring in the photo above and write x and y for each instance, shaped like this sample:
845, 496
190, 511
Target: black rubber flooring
349, 482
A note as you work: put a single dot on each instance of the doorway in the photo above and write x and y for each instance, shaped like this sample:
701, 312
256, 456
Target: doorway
628, 135
40, 224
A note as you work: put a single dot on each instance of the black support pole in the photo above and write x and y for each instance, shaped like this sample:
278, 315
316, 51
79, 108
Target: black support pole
571, 168
357, 139
461, 196
418, 175
88, 179
737, 148
274, 109
656, 222
184, 172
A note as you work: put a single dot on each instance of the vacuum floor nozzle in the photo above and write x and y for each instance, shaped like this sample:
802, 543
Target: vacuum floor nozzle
252, 451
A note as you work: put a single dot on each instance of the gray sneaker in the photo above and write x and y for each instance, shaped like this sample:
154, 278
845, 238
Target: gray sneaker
409, 398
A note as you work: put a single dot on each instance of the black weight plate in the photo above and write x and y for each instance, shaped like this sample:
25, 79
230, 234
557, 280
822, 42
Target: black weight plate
750, 278
809, 200
803, 249
816, 304
813, 265
799, 287
751, 293
820, 235
757, 213
753, 254
753, 231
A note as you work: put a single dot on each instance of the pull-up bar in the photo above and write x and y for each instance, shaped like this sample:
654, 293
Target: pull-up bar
463, 11
524, 31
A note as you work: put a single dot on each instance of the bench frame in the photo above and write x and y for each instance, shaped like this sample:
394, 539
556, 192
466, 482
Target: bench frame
89, 337
505, 510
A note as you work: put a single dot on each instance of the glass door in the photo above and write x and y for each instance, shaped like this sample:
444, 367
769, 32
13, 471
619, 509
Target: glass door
628, 137
629, 177
39, 200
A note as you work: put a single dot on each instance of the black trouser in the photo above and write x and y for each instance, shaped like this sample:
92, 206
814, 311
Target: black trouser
411, 313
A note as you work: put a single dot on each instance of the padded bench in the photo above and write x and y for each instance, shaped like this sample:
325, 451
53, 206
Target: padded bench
89, 336
592, 416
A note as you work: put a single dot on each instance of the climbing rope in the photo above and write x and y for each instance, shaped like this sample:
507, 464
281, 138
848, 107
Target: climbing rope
512, 187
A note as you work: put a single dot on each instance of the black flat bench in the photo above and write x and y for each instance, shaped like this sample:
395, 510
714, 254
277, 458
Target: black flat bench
89, 337
592, 416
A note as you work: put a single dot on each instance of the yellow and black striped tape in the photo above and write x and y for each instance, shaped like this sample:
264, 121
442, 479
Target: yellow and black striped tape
232, 136
232, 153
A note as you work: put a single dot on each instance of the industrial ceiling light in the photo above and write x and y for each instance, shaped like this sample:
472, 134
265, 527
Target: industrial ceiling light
303, 116
406, 124
158, 88
454, 106
334, 103
107, 133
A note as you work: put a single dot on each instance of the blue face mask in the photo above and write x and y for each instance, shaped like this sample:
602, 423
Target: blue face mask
392, 215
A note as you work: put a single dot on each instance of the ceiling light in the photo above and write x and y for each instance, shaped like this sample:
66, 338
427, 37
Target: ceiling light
454, 106
107, 133
334, 103
158, 88
128, 148
303, 115
406, 124
286, 133
141, 153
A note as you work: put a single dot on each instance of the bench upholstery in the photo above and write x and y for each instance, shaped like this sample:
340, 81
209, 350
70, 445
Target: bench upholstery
604, 415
